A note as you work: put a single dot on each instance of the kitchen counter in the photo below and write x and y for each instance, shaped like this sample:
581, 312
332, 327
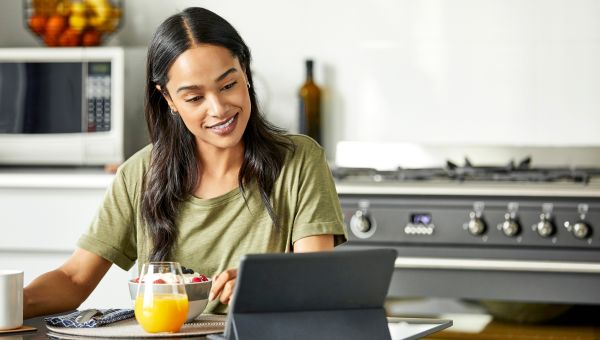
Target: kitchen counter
92, 178
583, 329
472, 321
97, 178
456, 188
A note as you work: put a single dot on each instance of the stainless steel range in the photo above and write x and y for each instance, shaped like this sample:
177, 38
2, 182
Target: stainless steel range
513, 233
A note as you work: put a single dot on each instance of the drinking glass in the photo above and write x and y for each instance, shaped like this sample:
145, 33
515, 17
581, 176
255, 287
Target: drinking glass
161, 304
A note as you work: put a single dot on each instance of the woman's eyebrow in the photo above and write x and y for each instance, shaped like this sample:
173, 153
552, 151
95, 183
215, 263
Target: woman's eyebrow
228, 72
219, 78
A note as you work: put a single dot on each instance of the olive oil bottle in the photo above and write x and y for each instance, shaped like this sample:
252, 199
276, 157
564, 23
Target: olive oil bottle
310, 106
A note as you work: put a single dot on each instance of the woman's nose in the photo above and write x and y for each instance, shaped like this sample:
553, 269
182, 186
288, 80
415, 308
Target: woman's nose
216, 106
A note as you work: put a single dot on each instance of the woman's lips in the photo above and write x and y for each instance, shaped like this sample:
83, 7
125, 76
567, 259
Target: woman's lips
226, 127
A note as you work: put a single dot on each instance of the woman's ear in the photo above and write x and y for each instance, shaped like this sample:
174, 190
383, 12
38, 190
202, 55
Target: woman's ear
165, 95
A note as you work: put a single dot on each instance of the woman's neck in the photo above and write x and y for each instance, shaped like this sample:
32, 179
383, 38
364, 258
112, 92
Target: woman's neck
219, 170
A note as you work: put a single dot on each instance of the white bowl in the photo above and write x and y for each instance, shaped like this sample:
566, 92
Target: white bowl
197, 293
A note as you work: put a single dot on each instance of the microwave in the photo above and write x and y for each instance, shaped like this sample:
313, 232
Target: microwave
65, 106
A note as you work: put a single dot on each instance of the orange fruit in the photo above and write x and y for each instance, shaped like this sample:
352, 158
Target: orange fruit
37, 23
70, 37
51, 40
91, 38
55, 25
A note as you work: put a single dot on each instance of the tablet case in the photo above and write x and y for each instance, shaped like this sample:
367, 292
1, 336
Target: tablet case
324, 295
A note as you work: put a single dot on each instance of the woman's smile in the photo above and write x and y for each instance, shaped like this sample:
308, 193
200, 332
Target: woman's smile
226, 127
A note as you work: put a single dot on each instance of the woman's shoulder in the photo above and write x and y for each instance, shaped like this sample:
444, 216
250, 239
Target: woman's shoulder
138, 163
305, 149
304, 143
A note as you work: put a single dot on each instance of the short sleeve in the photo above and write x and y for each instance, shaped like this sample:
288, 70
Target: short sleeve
112, 233
318, 207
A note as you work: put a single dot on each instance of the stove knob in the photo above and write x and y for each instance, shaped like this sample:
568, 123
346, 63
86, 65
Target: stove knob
511, 227
476, 225
360, 221
581, 230
545, 228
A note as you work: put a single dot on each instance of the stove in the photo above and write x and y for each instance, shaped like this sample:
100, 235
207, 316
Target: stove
512, 232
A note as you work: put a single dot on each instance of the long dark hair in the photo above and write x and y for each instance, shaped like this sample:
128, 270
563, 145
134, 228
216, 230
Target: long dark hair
173, 172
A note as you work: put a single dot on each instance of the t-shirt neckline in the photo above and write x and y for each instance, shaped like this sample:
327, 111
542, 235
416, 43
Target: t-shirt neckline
213, 201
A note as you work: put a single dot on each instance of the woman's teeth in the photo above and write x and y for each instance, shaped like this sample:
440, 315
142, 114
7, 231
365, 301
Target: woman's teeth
224, 125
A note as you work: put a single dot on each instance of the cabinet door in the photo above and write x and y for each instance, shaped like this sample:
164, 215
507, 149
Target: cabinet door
40, 228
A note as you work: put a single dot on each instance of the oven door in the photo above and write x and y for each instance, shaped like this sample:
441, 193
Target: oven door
439, 257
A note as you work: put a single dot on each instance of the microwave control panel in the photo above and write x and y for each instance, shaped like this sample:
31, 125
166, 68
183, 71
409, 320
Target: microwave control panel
98, 97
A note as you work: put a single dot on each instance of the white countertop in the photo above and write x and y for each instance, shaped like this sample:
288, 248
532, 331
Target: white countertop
535, 189
96, 178
72, 178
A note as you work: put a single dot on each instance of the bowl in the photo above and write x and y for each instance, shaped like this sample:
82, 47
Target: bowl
197, 293
73, 22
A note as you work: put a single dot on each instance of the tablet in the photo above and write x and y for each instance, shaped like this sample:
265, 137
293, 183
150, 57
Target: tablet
322, 295
348, 279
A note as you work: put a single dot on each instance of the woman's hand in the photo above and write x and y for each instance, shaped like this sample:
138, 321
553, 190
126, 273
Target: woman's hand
223, 285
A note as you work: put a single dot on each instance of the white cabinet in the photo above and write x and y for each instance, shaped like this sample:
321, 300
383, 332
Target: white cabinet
42, 215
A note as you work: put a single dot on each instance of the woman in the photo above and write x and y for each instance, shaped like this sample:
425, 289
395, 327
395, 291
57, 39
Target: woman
217, 182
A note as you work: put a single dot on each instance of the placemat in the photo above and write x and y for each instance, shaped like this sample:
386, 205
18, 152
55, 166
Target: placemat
17, 330
204, 324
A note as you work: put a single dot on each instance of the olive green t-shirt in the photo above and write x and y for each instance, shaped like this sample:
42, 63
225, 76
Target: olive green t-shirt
214, 233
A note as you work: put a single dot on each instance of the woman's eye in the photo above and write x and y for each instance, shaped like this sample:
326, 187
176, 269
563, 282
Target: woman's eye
194, 99
230, 85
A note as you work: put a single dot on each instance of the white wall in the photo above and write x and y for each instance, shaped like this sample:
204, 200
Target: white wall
518, 72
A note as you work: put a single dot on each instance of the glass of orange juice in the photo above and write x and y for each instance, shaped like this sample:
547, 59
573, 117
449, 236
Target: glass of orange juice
161, 304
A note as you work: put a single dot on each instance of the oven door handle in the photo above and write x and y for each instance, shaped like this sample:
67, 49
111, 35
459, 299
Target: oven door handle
497, 265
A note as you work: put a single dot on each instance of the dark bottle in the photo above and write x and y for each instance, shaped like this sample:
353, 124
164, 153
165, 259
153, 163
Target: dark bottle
310, 106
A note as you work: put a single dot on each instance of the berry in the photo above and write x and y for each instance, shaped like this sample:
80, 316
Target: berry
136, 280
203, 278
160, 281
196, 279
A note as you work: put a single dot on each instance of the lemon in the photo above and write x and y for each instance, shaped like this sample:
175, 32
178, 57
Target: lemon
77, 22
78, 8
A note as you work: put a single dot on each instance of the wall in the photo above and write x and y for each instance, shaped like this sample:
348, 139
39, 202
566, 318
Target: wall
517, 72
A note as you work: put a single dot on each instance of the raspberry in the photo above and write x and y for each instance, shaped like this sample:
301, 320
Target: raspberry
196, 279
136, 280
160, 281
203, 278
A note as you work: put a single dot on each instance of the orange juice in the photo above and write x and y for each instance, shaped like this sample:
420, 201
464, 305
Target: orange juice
162, 312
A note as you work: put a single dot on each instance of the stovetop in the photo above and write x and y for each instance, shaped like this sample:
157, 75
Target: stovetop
512, 178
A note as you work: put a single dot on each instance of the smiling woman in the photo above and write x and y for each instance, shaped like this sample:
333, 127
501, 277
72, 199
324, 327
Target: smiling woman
214, 105
218, 181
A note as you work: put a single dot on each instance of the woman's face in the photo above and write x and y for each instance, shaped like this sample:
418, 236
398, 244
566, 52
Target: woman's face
208, 88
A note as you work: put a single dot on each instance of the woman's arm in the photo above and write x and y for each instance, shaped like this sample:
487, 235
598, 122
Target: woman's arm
65, 288
224, 283
314, 243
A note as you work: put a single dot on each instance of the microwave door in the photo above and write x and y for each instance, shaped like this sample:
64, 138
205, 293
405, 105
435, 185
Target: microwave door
41, 98
54, 103
12, 97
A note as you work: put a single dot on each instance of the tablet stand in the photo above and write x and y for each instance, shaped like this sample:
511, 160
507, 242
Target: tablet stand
351, 324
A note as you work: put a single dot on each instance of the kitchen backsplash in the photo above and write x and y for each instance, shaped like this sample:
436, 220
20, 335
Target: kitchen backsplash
474, 72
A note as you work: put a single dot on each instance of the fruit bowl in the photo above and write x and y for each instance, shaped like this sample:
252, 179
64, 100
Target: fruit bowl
73, 22
197, 293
